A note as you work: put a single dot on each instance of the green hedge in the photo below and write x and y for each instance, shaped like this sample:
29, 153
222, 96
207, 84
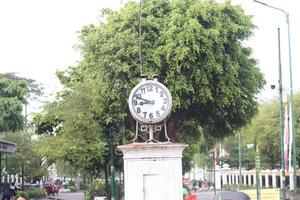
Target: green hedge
22, 194
237, 187
32, 193
72, 188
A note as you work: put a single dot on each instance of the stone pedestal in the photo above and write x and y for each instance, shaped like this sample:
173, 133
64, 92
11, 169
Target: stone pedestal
153, 171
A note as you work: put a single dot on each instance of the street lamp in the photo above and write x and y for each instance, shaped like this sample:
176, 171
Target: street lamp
112, 163
240, 159
291, 87
281, 119
213, 155
257, 166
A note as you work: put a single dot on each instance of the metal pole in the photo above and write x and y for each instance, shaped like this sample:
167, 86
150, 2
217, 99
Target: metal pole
281, 119
64, 170
22, 171
292, 105
112, 168
257, 185
6, 169
0, 171
215, 191
240, 160
291, 90
25, 118
257, 154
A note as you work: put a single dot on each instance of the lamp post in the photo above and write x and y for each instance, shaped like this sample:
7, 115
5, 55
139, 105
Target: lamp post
281, 119
291, 87
214, 170
240, 161
257, 166
112, 165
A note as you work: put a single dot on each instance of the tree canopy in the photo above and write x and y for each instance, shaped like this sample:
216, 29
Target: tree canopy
13, 93
264, 130
195, 48
27, 156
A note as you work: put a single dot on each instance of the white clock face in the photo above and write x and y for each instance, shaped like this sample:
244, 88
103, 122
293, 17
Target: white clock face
150, 102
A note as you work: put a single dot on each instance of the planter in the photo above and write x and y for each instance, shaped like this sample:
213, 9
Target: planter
100, 198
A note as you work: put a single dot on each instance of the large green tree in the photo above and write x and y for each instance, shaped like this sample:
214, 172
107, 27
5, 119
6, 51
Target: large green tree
195, 48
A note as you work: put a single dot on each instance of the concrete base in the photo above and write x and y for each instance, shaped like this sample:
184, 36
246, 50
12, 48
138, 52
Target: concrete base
153, 171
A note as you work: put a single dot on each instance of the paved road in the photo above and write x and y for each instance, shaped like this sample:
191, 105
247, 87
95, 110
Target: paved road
69, 196
205, 195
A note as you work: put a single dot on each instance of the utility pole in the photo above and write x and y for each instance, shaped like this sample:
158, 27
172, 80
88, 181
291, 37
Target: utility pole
291, 89
112, 167
257, 170
281, 119
214, 157
240, 160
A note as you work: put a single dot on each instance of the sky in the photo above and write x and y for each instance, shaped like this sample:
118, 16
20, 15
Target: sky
37, 38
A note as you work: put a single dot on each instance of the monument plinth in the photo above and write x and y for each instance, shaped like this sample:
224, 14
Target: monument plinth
153, 171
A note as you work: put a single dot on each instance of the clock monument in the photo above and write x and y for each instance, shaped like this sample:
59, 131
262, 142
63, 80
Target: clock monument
152, 168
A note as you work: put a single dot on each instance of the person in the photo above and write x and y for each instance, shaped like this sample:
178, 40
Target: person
194, 189
205, 184
13, 190
6, 192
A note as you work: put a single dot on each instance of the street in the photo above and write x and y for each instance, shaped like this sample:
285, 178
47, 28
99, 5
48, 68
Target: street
69, 196
205, 195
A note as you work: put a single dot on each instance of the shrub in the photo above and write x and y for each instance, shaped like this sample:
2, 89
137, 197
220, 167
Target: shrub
97, 188
84, 186
36, 193
87, 196
72, 188
23, 194
237, 187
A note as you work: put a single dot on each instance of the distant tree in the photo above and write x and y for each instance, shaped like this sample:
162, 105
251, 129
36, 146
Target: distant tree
263, 131
12, 97
14, 92
27, 156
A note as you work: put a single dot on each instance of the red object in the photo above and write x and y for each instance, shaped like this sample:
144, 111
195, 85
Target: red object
52, 189
190, 197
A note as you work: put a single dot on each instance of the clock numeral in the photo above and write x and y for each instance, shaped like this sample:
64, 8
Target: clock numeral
138, 96
145, 114
138, 109
165, 100
151, 115
163, 108
156, 89
157, 113
135, 102
149, 88
143, 90
161, 94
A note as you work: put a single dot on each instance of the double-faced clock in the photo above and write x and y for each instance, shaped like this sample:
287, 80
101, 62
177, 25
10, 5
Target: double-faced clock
150, 102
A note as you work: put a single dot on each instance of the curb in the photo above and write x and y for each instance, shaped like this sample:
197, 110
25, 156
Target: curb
55, 198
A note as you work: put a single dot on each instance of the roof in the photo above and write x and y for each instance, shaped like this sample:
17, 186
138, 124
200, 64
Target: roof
7, 146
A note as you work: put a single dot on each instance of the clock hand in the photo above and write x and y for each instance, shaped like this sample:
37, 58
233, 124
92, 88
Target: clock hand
147, 102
